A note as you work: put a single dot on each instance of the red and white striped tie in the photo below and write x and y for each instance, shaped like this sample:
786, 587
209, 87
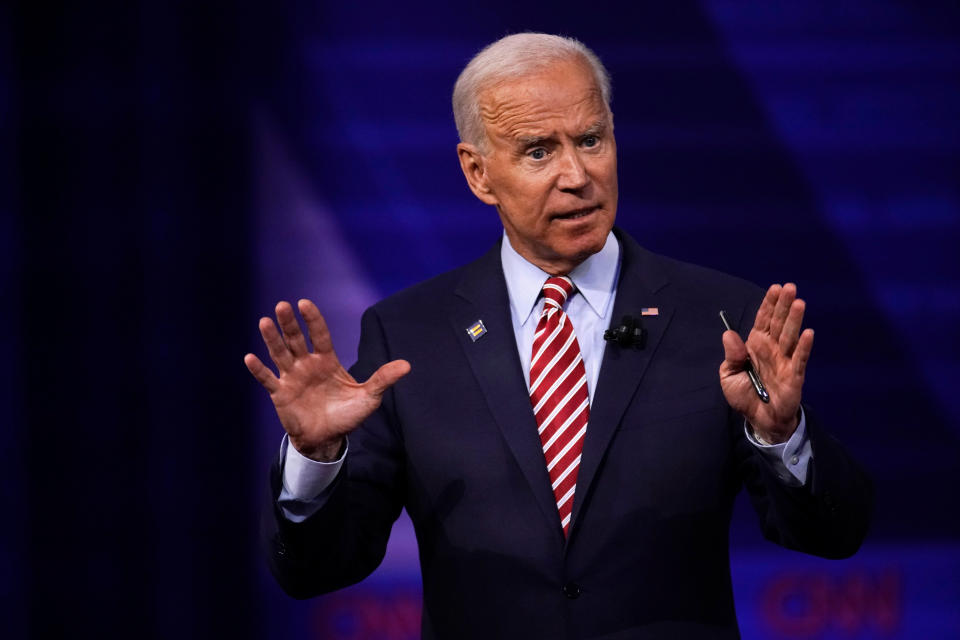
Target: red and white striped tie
558, 393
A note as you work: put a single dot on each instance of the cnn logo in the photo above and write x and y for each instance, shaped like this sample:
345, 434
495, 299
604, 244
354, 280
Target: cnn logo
806, 604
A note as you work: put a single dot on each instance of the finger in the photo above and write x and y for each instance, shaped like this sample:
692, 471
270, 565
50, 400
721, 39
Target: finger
261, 372
765, 312
316, 326
734, 353
291, 329
801, 354
791, 328
386, 376
787, 295
279, 352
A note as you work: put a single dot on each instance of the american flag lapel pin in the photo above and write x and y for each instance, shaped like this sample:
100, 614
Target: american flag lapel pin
476, 330
650, 311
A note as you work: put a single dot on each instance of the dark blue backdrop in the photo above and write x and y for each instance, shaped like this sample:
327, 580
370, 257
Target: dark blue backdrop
174, 170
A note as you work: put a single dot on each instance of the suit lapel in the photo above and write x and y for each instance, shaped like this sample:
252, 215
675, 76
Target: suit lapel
622, 368
482, 295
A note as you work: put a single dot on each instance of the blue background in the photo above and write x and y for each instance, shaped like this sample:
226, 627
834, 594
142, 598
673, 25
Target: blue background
172, 171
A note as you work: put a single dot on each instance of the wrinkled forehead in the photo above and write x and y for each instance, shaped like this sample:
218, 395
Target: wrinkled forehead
565, 95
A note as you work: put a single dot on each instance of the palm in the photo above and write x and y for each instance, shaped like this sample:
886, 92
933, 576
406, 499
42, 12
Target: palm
779, 353
317, 401
319, 397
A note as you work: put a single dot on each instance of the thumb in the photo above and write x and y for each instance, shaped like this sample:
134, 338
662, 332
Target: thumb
734, 353
386, 376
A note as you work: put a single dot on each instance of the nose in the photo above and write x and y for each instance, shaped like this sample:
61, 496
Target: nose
573, 174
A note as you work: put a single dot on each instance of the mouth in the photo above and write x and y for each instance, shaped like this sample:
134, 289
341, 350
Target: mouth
576, 214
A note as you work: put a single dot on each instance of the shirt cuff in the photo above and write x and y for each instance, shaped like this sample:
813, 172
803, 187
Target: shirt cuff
305, 479
789, 459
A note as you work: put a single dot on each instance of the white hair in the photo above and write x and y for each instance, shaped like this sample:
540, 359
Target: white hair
515, 56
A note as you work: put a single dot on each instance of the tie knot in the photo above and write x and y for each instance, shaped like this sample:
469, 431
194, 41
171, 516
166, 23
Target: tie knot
556, 290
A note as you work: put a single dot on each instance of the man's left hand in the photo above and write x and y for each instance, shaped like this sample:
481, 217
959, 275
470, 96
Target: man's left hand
779, 353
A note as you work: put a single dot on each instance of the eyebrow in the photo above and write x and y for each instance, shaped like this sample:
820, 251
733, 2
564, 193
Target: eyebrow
529, 141
596, 128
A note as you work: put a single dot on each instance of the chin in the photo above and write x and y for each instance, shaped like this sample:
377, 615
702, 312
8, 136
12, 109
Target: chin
583, 248
591, 242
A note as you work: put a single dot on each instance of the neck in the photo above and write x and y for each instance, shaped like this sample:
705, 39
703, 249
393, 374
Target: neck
552, 266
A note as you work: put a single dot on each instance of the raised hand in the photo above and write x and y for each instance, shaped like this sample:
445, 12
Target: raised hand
317, 401
779, 353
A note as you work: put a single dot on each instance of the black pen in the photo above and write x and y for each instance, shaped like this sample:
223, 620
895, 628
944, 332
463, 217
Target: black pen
751, 372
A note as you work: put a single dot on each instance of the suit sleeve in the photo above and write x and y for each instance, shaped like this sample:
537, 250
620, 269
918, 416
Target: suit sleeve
827, 516
345, 540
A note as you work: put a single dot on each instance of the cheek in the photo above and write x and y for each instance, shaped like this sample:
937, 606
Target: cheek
612, 174
605, 170
532, 194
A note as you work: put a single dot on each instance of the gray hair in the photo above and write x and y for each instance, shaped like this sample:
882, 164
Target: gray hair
514, 56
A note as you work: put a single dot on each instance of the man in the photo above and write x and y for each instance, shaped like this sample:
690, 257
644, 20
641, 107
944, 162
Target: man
560, 486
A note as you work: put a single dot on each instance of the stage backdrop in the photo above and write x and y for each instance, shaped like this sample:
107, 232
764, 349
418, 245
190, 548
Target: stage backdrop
176, 170
787, 142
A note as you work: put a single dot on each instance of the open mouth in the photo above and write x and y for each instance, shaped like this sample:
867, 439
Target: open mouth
575, 215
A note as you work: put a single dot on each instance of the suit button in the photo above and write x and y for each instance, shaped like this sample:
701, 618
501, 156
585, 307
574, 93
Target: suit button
572, 590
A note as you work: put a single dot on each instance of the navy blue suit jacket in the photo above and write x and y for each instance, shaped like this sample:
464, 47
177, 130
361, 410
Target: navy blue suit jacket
455, 442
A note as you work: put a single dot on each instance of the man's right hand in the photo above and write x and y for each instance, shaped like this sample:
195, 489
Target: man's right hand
317, 401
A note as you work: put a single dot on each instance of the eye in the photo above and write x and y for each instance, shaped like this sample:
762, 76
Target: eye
591, 141
538, 154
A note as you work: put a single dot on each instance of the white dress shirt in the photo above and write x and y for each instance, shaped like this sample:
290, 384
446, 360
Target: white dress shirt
589, 308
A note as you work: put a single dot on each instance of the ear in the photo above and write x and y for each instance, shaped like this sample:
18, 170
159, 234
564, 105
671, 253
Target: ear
473, 165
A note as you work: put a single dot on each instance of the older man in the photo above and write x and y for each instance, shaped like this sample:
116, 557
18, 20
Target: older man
561, 486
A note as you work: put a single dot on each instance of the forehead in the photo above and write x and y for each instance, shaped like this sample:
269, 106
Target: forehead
563, 95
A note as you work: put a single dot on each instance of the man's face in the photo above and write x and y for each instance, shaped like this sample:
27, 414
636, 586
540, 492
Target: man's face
550, 166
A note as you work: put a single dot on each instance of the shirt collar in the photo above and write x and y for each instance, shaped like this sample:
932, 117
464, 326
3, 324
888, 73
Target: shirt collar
595, 278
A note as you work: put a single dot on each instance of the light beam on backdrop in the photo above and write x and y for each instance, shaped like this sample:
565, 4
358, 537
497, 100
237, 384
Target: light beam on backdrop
302, 253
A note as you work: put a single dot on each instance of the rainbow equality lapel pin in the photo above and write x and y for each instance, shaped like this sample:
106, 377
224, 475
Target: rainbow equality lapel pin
476, 330
650, 311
